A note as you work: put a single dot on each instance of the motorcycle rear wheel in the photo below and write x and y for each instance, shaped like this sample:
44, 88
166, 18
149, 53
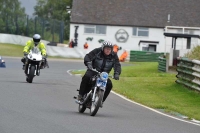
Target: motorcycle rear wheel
81, 108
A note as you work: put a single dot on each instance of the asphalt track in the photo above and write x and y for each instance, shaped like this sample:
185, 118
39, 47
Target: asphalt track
47, 106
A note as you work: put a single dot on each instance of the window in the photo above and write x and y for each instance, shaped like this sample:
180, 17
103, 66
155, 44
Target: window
186, 31
140, 31
95, 29
89, 29
189, 31
100, 29
151, 48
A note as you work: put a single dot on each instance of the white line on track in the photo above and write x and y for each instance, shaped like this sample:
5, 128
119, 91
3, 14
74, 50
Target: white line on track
154, 109
69, 72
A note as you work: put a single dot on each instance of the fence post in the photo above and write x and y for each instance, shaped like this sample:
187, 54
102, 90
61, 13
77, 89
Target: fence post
7, 23
35, 25
53, 31
27, 18
42, 27
61, 31
167, 62
16, 24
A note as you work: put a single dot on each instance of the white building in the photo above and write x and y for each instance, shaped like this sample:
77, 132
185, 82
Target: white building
135, 24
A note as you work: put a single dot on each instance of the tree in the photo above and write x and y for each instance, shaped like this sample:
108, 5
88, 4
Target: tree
54, 10
12, 17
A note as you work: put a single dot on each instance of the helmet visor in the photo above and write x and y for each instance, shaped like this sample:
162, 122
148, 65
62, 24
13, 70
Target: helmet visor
36, 40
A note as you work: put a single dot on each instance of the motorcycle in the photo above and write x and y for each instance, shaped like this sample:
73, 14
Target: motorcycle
94, 98
33, 63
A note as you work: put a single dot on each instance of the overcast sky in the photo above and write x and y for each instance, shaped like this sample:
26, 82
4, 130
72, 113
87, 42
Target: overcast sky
29, 5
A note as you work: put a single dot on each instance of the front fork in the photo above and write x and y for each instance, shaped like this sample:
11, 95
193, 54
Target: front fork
95, 89
27, 68
93, 97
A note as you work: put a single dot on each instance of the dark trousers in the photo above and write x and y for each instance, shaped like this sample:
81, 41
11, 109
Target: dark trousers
85, 86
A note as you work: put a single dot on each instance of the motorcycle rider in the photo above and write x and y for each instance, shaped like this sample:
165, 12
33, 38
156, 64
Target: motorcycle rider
102, 59
30, 44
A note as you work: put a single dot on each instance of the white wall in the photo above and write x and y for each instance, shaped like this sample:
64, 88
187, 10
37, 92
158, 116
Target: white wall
66, 52
16, 39
155, 34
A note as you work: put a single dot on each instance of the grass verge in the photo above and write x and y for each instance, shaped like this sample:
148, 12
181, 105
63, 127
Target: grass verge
11, 50
144, 84
17, 51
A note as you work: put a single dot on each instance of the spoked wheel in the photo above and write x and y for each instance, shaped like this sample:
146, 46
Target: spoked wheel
97, 103
81, 108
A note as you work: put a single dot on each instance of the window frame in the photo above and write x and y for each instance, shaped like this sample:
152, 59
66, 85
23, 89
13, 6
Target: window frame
136, 30
89, 26
95, 29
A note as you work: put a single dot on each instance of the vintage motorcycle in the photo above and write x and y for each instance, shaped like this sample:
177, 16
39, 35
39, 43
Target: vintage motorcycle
33, 63
94, 98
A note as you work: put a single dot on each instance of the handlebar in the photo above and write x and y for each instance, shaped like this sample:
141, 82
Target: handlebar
94, 70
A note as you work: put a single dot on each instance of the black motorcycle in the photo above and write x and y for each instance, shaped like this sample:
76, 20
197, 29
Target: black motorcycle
94, 98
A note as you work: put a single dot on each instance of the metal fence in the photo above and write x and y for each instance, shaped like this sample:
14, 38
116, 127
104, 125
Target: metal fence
189, 73
144, 56
50, 29
162, 64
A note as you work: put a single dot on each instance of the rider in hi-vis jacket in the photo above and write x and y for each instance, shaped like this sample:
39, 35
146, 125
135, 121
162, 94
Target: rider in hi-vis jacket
31, 43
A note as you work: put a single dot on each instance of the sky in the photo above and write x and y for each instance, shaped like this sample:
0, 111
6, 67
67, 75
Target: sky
29, 6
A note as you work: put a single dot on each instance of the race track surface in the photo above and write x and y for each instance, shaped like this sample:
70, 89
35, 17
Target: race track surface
47, 106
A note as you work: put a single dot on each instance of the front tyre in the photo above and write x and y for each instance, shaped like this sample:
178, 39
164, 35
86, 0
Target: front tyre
31, 74
97, 102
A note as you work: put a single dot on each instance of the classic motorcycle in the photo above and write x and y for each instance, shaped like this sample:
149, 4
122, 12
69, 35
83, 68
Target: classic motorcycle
33, 63
94, 98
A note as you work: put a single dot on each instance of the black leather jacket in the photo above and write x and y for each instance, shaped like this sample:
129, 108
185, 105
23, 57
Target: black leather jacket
102, 62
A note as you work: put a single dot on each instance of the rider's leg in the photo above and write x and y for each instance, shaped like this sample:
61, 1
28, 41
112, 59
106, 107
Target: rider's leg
85, 83
23, 61
108, 89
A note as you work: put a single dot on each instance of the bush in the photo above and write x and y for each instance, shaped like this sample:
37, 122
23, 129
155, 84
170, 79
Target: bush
194, 53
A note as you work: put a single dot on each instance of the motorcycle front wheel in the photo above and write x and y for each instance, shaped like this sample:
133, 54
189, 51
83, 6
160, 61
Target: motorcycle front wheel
97, 102
31, 74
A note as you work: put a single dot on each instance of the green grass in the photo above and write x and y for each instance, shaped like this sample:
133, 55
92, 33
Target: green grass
11, 50
144, 84
17, 51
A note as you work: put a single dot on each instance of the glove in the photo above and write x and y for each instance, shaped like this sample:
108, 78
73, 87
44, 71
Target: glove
89, 65
44, 57
25, 54
116, 76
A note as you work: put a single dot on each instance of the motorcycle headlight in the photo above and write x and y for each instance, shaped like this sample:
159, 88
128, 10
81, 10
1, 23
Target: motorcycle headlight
104, 76
2, 61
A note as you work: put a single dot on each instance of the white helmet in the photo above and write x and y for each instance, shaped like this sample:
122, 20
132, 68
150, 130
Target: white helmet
36, 39
107, 44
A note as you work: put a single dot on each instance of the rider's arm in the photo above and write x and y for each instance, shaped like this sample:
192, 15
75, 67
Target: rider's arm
117, 65
27, 47
91, 55
42, 48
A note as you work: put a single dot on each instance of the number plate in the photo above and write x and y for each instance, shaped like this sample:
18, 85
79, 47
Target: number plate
101, 83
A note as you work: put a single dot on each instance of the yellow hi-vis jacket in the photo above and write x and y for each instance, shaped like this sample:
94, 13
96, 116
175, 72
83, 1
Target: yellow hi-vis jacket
30, 44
